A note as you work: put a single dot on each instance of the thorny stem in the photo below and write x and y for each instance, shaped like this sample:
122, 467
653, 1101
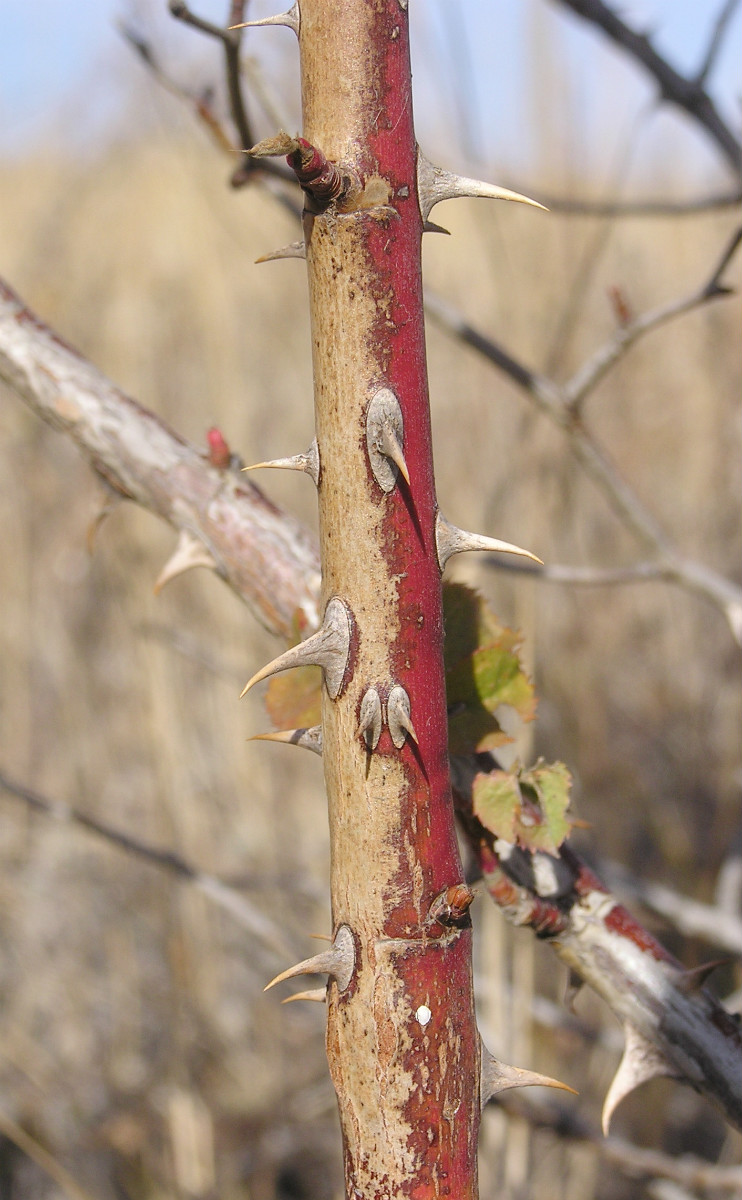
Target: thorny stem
402, 1041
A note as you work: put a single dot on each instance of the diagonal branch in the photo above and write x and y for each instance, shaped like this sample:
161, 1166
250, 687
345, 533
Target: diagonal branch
561, 403
687, 94
584, 381
672, 1024
724, 16
255, 922
261, 552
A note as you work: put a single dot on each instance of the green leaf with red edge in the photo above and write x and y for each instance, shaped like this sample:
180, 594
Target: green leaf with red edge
529, 807
294, 699
483, 671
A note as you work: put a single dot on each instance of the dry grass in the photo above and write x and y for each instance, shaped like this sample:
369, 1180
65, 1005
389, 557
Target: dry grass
135, 1041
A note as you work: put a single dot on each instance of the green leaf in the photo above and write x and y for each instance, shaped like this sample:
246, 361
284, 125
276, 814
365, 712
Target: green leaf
483, 671
525, 806
497, 801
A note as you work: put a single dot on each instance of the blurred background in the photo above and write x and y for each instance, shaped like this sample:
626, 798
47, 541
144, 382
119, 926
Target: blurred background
138, 1054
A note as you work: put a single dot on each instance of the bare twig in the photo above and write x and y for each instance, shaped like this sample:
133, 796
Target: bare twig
636, 1162
569, 207
725, 14
687, 94
560, 402
584, 381
244, 912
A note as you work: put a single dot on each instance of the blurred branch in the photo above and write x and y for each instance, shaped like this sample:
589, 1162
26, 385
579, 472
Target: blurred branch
633, 1161
246, 914
689, 917
633, 208
223, 520
584, 381
673, 1026
561, 403
687, 94
269, 171
726, 12
43, 1159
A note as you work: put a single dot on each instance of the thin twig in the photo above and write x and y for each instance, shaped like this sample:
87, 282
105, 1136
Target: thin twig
726, 12
557, 402
586, 379
570, 207
637, 1162
687, 94
245, 913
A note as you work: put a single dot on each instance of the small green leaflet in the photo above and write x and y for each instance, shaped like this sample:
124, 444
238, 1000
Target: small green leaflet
526, 806
483, 671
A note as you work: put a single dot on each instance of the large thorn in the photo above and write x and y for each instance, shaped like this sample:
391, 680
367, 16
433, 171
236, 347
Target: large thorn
498, 1077
369, 721
307, 462
434, 184
450, 540
309, 739
337, 961
693, 979
398, 717
328, 648
291, 19
318, 994
641, 1061
293, 250
189, 552
385, 438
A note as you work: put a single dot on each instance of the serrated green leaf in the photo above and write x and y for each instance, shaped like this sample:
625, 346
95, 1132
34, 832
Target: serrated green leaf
550, 785
496, 801
483, 671
525, 806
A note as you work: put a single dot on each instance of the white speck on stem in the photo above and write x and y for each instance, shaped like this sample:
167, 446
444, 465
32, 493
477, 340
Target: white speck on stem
423, 1014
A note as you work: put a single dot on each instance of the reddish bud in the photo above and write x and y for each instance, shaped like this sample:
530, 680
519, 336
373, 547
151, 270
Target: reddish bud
451, 906
219, 453
620, 305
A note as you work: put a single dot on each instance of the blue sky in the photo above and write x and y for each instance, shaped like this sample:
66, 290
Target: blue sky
513, 82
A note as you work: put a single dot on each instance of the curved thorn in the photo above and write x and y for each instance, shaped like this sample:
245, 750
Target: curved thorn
398, 717
319, 994
308, 739
498, 1077
308, 462
390, 446
641, 1062
450, 540
434, 184
431, 227
290, 19
337, 961
328, 648
693, 979
189, 552
385, 438
293, 250
110, 501
369, 722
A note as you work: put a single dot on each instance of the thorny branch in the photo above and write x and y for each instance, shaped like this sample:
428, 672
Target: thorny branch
687, 94
149, 463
